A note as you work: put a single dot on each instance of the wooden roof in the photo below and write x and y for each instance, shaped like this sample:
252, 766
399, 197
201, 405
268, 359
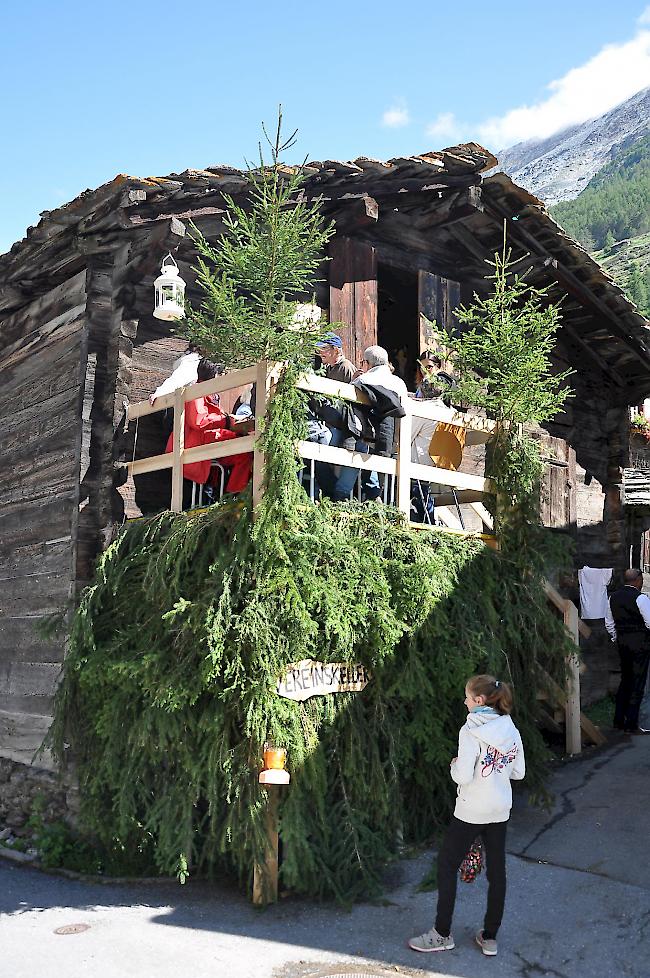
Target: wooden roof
440, 207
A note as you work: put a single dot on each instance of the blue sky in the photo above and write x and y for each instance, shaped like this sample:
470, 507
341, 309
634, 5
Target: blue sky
92, 90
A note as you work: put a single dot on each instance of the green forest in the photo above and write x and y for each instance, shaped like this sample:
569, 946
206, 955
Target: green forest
611, 218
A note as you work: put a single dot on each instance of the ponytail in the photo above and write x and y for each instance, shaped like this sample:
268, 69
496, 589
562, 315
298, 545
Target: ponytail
497, 694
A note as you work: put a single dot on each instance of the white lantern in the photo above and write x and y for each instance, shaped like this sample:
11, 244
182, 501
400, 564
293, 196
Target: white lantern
170, 291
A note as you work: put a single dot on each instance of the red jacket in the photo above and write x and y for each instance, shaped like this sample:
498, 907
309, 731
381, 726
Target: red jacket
204, 423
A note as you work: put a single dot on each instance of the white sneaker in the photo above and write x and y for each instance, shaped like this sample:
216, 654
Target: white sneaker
486, 944
432, 941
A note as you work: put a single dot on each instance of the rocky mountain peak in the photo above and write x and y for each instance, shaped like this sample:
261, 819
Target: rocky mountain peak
561, 166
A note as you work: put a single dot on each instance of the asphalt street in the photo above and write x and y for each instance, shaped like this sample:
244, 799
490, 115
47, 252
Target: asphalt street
578, 905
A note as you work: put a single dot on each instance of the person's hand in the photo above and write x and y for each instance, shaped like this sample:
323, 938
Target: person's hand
358, 373
152, 399
452, 760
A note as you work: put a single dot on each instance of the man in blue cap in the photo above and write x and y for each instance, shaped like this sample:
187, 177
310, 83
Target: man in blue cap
330, 350
338, 486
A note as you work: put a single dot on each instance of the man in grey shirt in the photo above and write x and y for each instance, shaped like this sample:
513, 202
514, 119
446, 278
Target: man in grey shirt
628, 623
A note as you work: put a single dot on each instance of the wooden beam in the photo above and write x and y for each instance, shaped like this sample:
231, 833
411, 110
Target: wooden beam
265, 875
215, 450
177, 452
572, 705
468, 497
484, 514
218, 449
341, 456
570, 281
263, 383
556, 598
592, 354
448, 477
465, 204
226, 382
404, 465
358, 211
155, 463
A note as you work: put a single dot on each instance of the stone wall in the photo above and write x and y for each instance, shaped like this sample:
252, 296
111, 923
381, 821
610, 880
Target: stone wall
22, 785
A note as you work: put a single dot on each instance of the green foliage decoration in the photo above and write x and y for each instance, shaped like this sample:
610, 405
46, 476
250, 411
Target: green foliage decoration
502, 353
263, 267
169, 688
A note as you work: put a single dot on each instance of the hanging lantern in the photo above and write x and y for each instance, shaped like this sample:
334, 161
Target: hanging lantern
275, 759
170, 291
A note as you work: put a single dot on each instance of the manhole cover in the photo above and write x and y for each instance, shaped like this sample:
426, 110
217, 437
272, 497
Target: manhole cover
72, 929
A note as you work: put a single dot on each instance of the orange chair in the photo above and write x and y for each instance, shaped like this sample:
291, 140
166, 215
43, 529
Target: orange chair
446, 452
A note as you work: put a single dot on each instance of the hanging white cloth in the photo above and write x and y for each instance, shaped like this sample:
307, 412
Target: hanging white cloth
184, 374
593, 591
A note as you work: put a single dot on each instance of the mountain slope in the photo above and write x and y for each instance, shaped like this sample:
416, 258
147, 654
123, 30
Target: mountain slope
615, 204
560, 167
611, 218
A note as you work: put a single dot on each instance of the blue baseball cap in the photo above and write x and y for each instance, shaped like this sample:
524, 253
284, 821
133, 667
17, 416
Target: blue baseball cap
331, 339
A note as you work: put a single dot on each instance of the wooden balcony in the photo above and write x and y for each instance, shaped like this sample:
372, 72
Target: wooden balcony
449, 488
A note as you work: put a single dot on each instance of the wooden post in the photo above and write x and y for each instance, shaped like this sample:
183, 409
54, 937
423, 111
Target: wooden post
265, 876
572, 708
263, 382
403, 501
179, 445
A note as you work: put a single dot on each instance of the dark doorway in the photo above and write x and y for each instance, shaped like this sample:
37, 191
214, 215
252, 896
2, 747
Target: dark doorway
398, 319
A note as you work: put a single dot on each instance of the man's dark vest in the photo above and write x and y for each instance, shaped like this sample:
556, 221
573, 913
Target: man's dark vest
627, 617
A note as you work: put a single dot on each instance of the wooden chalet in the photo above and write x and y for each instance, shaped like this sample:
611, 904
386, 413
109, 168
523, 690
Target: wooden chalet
78, 343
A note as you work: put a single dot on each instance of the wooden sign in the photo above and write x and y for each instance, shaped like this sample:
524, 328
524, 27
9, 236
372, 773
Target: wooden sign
308, 678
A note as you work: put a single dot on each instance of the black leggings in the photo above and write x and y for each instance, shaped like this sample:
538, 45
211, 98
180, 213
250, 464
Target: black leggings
455, 846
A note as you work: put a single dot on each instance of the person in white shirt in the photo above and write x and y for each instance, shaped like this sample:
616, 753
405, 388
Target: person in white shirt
628, 623
490, 756
376, 371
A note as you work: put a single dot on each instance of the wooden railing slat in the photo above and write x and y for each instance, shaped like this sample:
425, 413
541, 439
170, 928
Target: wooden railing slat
341, 456
226, 382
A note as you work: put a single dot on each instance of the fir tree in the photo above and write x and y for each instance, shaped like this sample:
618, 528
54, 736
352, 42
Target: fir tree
610, 240
502, 356
636, 287
254, 278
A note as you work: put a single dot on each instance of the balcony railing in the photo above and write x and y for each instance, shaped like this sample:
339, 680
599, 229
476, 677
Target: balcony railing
448, 487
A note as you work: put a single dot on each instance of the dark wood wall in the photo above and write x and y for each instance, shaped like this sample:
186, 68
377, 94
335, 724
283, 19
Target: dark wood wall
42, 373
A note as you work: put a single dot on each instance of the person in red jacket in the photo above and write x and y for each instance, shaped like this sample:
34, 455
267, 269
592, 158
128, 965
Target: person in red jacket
205, 422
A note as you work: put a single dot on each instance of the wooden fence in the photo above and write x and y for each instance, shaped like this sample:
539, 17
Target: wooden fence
451, 486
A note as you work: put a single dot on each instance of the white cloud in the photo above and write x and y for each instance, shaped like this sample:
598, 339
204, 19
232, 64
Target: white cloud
397, 115
444, 126
611, 76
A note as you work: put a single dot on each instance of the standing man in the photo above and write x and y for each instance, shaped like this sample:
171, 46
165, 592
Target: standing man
628, 623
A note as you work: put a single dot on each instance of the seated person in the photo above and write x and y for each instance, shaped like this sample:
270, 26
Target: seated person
431, 381
205, 422
244, 406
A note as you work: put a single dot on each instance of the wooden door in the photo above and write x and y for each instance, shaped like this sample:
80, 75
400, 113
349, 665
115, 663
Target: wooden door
353, 294
558, 489
437, 299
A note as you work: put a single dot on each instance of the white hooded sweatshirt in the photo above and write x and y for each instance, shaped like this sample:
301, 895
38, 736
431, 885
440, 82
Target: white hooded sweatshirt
490, 754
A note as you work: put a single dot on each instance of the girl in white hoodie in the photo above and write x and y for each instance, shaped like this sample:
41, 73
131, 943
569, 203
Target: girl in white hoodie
490, 754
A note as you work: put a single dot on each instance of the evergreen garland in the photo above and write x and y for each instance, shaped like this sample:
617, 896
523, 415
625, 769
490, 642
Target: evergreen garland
169, 688
168, 693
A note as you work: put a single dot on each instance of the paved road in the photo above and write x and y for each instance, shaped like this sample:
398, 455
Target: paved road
578, 906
